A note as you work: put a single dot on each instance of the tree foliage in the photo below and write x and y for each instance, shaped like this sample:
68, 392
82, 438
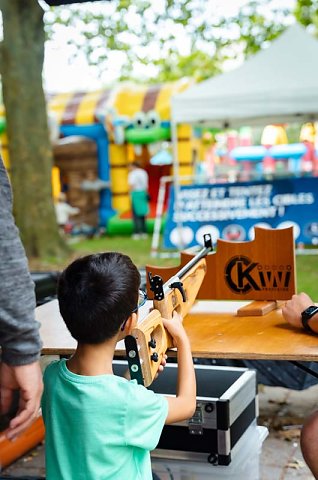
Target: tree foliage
166, 39
258, 23
306, 12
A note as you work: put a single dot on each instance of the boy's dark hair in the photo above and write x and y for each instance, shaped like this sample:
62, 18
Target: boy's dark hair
96, 294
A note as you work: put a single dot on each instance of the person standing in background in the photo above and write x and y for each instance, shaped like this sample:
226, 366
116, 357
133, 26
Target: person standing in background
138, 185
19, 331
63, 211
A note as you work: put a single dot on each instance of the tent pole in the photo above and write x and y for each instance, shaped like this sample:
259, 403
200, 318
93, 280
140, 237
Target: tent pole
159, 215
176, 181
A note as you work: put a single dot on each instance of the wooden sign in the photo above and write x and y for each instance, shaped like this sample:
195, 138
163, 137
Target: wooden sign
263, 269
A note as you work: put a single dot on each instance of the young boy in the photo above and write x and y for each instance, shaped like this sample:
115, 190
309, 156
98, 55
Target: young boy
100, 426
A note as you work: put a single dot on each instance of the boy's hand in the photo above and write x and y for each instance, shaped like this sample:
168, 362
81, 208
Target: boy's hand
183, 405
161, 366
175, 327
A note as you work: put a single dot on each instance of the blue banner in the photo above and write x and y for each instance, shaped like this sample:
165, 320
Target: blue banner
230, 211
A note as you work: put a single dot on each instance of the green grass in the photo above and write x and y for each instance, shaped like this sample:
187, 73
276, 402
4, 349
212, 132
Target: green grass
138, 250
307, 275
140, 253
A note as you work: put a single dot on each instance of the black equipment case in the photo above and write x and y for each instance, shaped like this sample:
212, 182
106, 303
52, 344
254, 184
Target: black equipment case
227, 404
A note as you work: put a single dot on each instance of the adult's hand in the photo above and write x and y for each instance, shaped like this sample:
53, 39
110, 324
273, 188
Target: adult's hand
293, 308
28, 380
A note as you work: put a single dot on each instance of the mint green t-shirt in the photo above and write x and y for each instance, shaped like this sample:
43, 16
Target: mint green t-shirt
99, 427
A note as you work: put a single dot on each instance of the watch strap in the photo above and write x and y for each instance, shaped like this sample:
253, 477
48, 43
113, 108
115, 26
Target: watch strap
305, 317
306, 325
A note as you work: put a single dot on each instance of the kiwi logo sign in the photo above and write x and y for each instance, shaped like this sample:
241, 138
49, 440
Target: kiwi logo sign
243, 275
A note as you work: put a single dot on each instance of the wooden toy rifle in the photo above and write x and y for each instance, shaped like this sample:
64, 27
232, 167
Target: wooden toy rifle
148, 342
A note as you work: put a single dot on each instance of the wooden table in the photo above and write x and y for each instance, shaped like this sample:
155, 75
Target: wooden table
214, 329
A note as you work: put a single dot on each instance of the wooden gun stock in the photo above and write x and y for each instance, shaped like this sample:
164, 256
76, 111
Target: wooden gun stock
174, 301
149, 341
148, 344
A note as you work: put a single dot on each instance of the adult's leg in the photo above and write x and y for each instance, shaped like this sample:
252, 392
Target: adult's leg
143, 224
139, 224
136, 221
309, 443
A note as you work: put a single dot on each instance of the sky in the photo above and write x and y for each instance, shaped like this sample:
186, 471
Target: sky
63, 75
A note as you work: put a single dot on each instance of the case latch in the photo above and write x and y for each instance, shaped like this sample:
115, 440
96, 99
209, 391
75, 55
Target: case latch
195, 422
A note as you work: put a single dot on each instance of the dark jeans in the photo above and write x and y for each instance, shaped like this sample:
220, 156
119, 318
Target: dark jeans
139, 223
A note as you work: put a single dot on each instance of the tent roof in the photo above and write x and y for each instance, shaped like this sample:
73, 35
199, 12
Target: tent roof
278, 84
121, 102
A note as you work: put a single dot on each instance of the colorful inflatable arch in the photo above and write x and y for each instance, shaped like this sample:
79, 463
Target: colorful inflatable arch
128, 123
78, 114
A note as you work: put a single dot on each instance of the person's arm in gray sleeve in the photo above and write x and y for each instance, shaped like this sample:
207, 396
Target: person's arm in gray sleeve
19, 331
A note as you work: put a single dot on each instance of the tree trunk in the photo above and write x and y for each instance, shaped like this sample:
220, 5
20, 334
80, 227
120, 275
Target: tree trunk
22, 54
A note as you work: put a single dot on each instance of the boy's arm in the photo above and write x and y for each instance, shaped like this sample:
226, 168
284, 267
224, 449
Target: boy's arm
183, 405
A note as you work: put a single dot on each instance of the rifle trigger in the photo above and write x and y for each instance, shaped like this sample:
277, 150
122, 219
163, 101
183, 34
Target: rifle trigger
179, 286
152, 343
155, 357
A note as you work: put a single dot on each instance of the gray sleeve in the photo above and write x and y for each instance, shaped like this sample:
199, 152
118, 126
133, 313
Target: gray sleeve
19, 331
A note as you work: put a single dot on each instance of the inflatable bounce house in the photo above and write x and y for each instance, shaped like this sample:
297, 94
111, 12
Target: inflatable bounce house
235, 154
128, 123
4, 139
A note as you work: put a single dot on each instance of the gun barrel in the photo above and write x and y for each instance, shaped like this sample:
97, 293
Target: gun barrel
208, 247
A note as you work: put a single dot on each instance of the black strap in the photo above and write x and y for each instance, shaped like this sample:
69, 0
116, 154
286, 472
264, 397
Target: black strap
306, 325
133, 359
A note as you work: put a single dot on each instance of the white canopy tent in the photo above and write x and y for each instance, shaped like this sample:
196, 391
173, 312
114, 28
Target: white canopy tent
278, 84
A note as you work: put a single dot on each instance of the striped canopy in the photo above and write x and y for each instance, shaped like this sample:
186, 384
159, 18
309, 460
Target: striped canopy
84, 108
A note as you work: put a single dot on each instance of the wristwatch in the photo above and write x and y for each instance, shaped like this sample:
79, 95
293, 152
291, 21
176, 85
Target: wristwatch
306, 316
